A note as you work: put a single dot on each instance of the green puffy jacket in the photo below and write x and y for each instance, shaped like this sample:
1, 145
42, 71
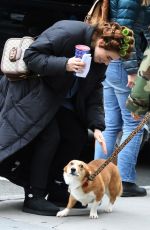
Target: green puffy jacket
139, 98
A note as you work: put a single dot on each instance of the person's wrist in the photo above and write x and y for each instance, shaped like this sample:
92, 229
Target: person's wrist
67, 66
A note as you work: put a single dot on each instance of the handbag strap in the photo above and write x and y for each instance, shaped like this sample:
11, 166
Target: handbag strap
90, 13
103, 10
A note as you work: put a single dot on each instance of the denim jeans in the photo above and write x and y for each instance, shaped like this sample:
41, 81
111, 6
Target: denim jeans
118, 118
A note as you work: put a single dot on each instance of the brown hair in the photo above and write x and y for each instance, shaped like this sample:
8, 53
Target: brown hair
114, 37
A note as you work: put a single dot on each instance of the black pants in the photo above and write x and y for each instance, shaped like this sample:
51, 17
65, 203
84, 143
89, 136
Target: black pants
61, 141
43, 150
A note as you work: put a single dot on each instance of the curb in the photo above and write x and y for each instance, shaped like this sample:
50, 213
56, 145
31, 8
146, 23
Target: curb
11, 197
3, 178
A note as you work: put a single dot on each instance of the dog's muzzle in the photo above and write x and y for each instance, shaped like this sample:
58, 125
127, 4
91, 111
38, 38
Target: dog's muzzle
73, 172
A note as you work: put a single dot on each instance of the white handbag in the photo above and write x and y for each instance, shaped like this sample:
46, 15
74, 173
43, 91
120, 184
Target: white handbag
12, 64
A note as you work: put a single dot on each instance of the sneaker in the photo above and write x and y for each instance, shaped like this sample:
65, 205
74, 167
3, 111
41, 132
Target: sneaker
131, 189
40, 206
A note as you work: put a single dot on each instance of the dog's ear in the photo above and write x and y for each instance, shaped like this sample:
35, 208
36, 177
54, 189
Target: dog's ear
65, 168
87, 170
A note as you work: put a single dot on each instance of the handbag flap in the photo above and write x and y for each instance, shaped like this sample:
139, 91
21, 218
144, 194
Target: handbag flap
12, 57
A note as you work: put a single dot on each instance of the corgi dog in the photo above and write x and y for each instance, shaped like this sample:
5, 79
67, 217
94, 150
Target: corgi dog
81, 189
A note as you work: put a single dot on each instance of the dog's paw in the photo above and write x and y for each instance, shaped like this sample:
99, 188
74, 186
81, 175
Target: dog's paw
93, 215
109, 208
62, 213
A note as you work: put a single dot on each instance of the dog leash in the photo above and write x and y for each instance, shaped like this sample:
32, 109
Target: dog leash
119, 148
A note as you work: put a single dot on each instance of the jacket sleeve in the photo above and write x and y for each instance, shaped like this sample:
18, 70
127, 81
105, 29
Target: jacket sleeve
94, 103
95, 110
43, 58
131, 65
139, 99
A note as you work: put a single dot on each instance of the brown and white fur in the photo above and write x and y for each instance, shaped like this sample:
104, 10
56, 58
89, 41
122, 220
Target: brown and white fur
81, 189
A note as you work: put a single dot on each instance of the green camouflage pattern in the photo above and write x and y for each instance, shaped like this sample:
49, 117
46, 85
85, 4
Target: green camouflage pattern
139, 98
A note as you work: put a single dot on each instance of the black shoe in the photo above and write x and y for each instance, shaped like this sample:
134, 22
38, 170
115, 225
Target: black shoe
40, 206
59, 195
131, 189
36, 203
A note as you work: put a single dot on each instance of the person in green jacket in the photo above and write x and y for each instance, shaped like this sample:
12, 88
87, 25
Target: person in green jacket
138, 101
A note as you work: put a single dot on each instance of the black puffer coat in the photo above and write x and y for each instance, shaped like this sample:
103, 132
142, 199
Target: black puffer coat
27, 106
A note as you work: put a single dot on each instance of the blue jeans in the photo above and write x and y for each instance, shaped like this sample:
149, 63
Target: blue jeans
118, 118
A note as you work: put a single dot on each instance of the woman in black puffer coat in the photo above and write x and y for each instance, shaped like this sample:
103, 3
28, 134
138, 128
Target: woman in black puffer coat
44, 121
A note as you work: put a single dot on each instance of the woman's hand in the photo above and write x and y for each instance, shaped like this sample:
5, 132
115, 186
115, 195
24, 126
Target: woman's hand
135, 116
99, 137
75, 65
131, 80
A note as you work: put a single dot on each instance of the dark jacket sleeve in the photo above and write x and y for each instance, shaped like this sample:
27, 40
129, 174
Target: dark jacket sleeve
43, 58
131, 65
95, 110
94, 103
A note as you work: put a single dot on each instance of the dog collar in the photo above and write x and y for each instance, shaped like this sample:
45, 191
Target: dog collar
85, 182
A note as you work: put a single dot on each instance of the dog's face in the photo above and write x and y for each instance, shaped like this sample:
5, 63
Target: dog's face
75, 170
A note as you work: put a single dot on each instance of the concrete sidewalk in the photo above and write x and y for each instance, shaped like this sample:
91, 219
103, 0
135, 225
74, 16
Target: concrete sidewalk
129, 213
